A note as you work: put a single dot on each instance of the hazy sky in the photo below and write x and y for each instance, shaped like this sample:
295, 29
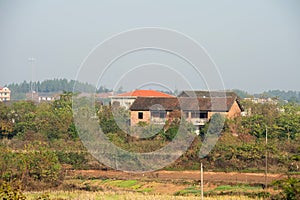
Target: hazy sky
254, 43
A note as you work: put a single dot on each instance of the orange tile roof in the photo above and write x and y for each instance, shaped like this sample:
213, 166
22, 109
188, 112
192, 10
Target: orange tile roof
145, 93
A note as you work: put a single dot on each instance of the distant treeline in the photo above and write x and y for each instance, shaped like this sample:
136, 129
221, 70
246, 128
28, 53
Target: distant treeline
55, 85
58, 85
291, 96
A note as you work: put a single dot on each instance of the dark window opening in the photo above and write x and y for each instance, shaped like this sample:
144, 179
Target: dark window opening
162, 115
140, 115
203, 115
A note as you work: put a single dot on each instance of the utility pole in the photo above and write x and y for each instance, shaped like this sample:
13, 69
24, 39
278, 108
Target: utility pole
266, 160
201, 177
32, 85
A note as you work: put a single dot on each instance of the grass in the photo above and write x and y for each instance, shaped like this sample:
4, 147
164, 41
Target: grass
236, 188
82, 195
109, 184
188, 191
137, 189
132, 184
222, 190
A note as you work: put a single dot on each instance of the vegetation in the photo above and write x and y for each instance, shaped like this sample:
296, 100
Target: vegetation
290, 96
78, 195
290, 188
55, 85
40, 141
8, 192
51, 86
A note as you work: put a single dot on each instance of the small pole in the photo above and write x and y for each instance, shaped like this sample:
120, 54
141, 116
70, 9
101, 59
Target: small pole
266, 161
201, 174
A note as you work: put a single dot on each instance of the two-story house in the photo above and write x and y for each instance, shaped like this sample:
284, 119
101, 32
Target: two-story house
197, 110
4, 94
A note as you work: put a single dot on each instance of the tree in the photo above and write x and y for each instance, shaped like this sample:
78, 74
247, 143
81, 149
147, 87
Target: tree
290, 188
216, 124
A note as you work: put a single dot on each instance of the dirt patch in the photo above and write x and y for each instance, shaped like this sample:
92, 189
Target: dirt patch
213, 177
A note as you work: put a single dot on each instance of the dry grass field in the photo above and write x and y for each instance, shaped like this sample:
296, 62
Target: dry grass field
82, 195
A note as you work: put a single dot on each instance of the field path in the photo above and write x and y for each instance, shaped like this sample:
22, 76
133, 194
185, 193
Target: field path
230, 177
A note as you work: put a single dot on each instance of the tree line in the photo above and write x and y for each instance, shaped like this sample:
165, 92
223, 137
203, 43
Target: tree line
51, 86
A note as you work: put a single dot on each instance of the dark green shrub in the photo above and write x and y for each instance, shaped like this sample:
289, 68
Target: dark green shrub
8, 192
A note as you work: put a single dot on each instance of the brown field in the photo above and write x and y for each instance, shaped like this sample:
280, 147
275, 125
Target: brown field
214, 177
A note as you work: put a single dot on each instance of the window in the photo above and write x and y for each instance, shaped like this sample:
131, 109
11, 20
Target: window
186, 114
140, 115
203, 115
158, 114
195, 114
162, 115
155, 114
198, 114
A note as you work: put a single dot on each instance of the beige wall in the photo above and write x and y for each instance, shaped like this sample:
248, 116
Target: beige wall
134, 117
234, 111
123, 101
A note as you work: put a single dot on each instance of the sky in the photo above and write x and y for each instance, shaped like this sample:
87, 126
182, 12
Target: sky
254, 44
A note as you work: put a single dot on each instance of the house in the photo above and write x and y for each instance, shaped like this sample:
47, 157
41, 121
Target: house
196, 110
127, 99
4, 94
42, 96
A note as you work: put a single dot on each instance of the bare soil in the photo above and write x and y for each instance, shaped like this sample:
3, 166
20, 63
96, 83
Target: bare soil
179, 176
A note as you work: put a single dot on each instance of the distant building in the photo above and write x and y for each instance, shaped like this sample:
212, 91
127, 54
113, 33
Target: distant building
127, 99
263, 100
42, 97
4, 94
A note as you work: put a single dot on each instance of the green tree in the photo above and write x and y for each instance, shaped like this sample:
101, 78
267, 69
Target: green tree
290, 188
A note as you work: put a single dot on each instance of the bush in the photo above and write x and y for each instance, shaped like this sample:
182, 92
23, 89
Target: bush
8, 192
290, 188
33, 167
76, 159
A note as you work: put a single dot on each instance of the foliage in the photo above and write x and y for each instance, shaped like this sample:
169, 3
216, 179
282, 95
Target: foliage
291, 96
171, 132
290, 188
9, 192
55, 85
107, 121
34, 164
76, 159
214, 127
242, 94
241, 145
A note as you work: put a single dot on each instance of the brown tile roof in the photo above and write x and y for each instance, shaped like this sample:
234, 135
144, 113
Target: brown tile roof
206, 104
155, 103
145, 93
183, 103
207, 94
